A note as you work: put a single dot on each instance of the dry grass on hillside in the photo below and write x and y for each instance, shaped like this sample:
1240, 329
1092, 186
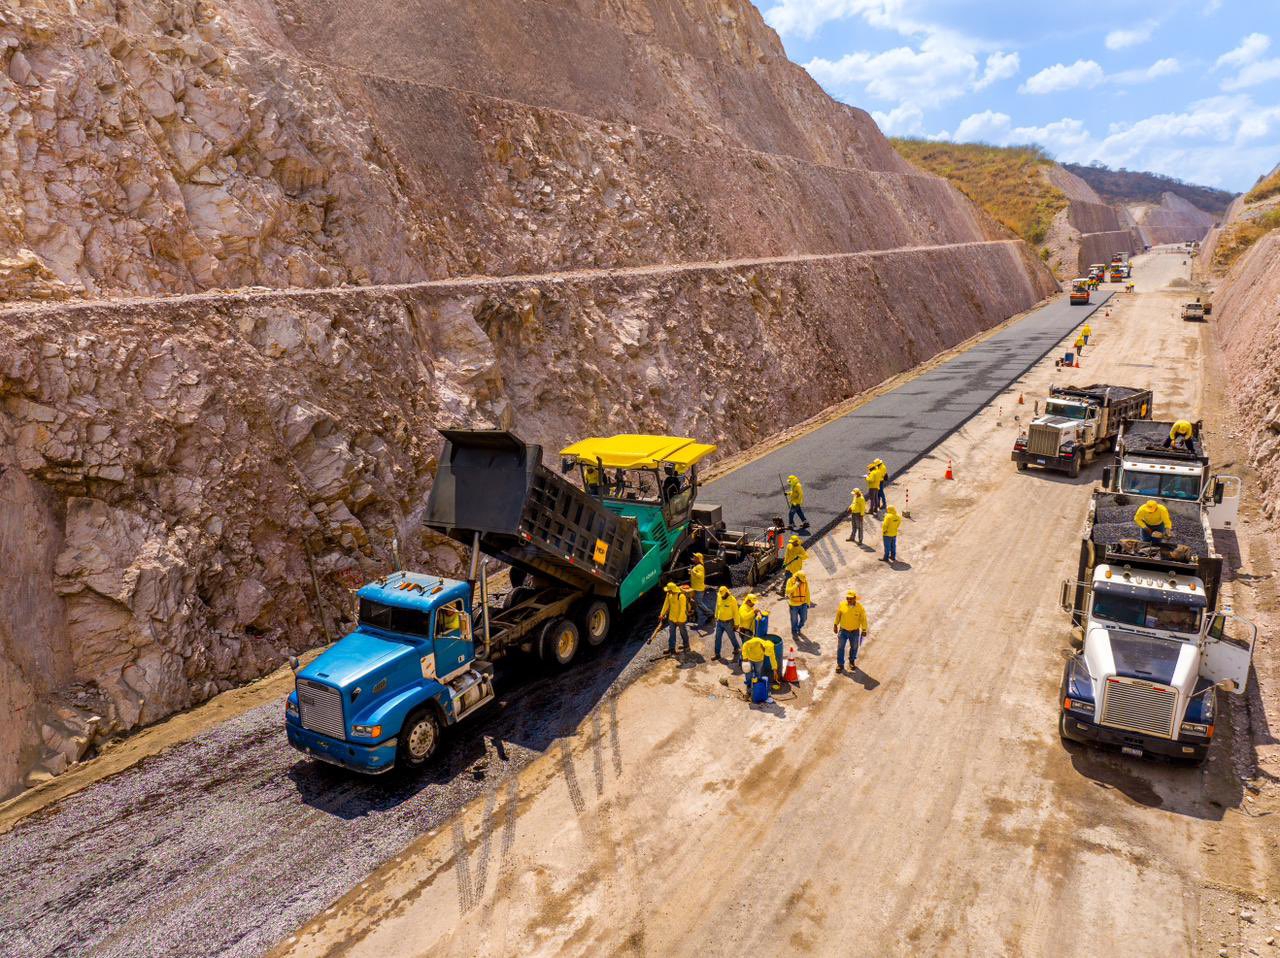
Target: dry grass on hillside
1239, 236
1266, 189
1007, 182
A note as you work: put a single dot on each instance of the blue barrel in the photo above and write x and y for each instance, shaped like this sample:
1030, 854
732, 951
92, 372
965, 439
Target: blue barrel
759, 690
762, 624
777, 648
1069, 359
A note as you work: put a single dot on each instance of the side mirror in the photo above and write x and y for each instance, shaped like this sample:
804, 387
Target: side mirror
1219, 489
293, 663
1106, 477
1064, 599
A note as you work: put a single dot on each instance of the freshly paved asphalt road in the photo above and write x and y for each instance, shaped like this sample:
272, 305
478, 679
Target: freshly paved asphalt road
900, 427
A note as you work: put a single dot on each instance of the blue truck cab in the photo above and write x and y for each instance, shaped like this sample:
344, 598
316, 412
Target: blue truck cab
382, 694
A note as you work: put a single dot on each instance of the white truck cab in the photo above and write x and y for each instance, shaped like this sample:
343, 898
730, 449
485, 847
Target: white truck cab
1153, 658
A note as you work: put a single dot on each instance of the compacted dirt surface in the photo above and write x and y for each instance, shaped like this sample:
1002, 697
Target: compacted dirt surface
922, 805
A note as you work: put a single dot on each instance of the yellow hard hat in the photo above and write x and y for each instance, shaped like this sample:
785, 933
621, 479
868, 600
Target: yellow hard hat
698, 556
724, 590
792, 479
751, 598
851, 594
672, 587
795, 538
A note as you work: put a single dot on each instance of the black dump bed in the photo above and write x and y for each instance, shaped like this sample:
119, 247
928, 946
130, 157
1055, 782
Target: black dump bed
1113, 537
1147, 437
492, 483
1103, 394
1113, 521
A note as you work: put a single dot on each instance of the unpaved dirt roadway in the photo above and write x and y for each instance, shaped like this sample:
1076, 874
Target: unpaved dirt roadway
925, 806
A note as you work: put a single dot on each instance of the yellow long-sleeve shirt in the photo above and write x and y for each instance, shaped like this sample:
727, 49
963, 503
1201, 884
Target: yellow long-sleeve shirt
755, 649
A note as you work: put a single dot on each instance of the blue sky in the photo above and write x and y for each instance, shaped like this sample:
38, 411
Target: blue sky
1188, 88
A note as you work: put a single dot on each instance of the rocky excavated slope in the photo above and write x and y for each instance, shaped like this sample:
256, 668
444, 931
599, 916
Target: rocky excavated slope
1246, 307
564, 217
1172, 220
1089, 230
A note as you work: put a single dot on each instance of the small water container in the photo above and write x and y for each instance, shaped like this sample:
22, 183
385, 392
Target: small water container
759, 690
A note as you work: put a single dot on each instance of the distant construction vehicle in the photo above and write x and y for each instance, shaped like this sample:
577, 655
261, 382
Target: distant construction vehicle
1193, 312
1080, 292
421, 657
1077, 425
1155, 649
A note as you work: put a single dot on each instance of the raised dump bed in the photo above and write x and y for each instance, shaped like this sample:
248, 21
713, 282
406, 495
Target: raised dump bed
492, 484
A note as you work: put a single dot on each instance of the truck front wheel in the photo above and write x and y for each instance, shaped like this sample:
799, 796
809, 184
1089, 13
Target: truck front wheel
419, 738
559, 642
1022, 467
597, 620
1075, 467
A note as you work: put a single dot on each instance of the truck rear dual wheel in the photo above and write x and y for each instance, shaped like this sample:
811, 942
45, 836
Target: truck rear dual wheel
597, 622
560, 640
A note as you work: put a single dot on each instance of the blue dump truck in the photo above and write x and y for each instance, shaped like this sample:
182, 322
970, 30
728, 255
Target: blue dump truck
421, 658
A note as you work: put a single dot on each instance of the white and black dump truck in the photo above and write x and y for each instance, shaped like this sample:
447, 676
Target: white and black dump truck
1157, 647
1078, 424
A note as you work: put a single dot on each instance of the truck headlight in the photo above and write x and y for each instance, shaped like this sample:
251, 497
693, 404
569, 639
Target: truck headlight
367, 731
290, 707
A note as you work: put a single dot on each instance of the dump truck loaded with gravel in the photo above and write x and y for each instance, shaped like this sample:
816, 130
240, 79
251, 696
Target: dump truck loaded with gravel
421, 658
1156, 649
1077, 425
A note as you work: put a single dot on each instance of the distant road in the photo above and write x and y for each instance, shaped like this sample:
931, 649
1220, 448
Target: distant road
900, 426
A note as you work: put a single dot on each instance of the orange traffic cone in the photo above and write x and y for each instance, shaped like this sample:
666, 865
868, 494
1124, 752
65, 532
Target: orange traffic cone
791, 674
949, 474
1021, 401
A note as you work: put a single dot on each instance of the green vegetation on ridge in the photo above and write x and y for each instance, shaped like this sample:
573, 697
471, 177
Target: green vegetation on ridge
1007, 182
1131, 186
1265, 188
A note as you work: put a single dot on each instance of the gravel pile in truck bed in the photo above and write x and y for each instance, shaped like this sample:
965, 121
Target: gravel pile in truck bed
1143, 434
1113, 521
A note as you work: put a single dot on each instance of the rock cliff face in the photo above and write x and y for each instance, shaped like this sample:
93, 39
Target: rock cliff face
1089, 230
1173, 220
669, 228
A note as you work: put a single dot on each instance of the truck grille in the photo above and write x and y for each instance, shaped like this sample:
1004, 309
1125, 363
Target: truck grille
320, 709
1043, 440
1139, 707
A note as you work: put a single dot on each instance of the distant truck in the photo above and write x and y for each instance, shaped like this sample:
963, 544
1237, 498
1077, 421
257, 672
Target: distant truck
1193, 312
421, 657
1146, 466
1079, 292
1077, 425
1155, 649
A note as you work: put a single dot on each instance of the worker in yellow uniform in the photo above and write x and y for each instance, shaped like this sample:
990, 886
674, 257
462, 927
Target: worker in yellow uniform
675, 613
761, 658
795, 504
857, 513
449, 621
850, 628
1086, 332
1180, 435
1079, 344
702, 605
873, 485
792, 560
747, 615
727, 620
798, 601
889, 530
1153, 521
592, 478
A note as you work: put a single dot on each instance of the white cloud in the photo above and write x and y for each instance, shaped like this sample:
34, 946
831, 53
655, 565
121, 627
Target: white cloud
1161, 68
986, 127
1263, 71
1212, 7
803, 18
1250, 48
1131, 36
1082, 73
997, 128
943, 68
1000, 66
904, 120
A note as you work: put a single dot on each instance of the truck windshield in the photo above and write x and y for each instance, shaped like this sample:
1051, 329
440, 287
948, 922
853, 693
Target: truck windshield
1160, 486
1066, 410
1146, 613
413, 622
